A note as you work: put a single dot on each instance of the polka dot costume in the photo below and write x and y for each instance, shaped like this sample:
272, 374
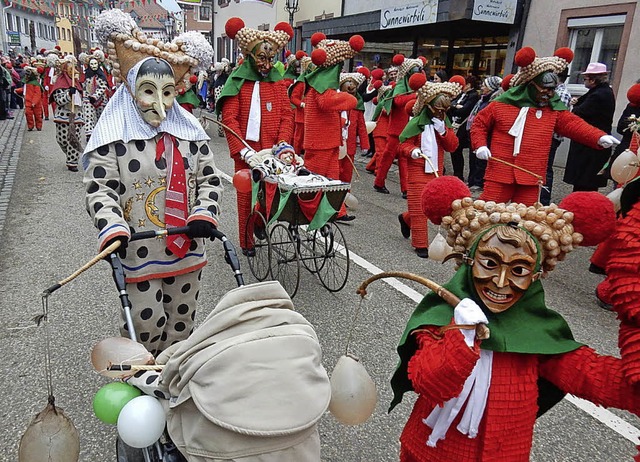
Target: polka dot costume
96, 88
61, 118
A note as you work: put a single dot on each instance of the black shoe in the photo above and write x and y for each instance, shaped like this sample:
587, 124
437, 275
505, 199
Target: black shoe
72, 168
381, 189
602, 304
10, 117
365, 154
345, 218
595, 269
372, 172
46, 118
249, 252
404, 194
370, 154
422, 252
404, 227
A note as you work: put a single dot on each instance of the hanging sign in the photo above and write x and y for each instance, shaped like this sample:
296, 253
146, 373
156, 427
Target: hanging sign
503, 11
413, 14
14, 37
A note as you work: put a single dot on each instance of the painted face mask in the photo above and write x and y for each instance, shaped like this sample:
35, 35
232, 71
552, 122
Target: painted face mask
503, 267
545, 87
155, 91
349, 86
93, 64
439, 106
263, 55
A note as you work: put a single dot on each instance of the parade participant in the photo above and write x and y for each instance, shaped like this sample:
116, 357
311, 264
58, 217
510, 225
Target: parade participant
66, 92
187, 97
459, 113
292, 63
95, 86
148, 167
324, 105
296, 95
500, 348
381, 118
394, 104
349, 82
254, 104
368, 93
32, 92
426, 136
518, 128
52, 60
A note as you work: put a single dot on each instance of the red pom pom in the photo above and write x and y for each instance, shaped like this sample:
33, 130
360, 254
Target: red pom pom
408, 108
58, 47
417, 80
459, 80
287, 53
40, 70
564, 53
193, 79
364, 71
233, 26
593, 215
377, 74
182, 91
317, 38
423, 59
356, 42
393, 84
300, 54
377, 84
633, 94
525, 56
23, 65
285, 27
438, 195
9, 66
398, 59
505, 81
43, 51
375, 100
318, 57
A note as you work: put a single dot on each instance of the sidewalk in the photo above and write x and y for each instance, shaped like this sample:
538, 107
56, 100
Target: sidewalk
11, 135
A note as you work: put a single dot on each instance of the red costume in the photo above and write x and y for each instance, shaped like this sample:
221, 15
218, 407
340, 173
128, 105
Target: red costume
491, 127
506, 430
296, 96
32, 93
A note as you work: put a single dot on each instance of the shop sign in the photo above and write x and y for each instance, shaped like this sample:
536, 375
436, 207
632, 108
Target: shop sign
14, 37
413, 14
503, 11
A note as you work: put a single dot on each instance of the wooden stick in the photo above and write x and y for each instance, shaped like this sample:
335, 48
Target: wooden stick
517, 167
435, 170
230, 130
446, 295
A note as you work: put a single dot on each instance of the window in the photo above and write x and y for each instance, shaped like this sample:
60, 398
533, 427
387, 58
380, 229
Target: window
595, 39
58, 32
223, 3
26, 26
9, 22
18, 24
204, 13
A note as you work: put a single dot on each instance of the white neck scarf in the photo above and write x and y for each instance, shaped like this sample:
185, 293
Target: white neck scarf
476, 389
253, 124
517, 130
429, 147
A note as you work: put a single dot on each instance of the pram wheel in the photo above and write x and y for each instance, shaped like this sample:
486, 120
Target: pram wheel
285, 264
257, 237
332, 257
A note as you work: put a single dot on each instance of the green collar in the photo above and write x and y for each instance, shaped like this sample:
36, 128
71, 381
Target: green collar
416, 125
527, 327
323, 78
242, 73
189, 97
524, 96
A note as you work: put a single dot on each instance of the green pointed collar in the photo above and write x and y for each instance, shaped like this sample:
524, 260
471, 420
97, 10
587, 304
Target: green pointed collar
244, 72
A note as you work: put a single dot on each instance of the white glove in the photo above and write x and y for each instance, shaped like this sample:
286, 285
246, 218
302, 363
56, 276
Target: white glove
606, 141
438, 125
416, 153
483, 153
468, 312
250, 157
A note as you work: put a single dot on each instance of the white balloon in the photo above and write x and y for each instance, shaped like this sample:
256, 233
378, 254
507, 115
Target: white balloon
614, 196
625, 167
141, 421
353, 393
439, 249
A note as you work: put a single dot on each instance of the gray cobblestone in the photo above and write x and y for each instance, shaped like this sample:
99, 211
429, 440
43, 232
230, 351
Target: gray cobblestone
11, 135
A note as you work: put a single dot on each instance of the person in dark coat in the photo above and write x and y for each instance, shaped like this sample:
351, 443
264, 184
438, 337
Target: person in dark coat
632, 109
459, 112
595, 107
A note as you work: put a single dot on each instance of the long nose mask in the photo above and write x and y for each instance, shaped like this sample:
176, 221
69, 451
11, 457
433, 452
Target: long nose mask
154, 95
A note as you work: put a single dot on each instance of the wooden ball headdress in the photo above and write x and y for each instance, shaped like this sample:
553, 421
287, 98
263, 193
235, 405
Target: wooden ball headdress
127, 45
428, 91
582, 218
248, 38
531, 65
329, 52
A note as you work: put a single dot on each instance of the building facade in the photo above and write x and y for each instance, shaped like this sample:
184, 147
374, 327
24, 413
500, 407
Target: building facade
27, 27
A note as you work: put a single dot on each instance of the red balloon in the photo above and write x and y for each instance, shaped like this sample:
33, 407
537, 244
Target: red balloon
242, 180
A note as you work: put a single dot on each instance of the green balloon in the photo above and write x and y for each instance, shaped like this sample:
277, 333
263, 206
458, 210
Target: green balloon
110, 400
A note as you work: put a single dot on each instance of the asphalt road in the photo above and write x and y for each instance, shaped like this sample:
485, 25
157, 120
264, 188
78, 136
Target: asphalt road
46, 235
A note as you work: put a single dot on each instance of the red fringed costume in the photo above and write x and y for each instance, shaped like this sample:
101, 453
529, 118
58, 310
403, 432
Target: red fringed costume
506, 430
296, 96
417, 179
357, 129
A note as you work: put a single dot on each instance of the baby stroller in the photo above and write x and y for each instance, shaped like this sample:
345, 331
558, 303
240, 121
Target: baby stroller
247, 385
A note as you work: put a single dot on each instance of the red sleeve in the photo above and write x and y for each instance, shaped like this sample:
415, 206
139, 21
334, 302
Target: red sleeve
481, 127
401, 101
230, 111
449, 141
573, 127
331, 100
405, 148
297, 93
440, 367
593, 377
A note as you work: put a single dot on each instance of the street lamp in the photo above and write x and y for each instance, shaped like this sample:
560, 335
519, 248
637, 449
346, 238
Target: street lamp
292, 7
168, 25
